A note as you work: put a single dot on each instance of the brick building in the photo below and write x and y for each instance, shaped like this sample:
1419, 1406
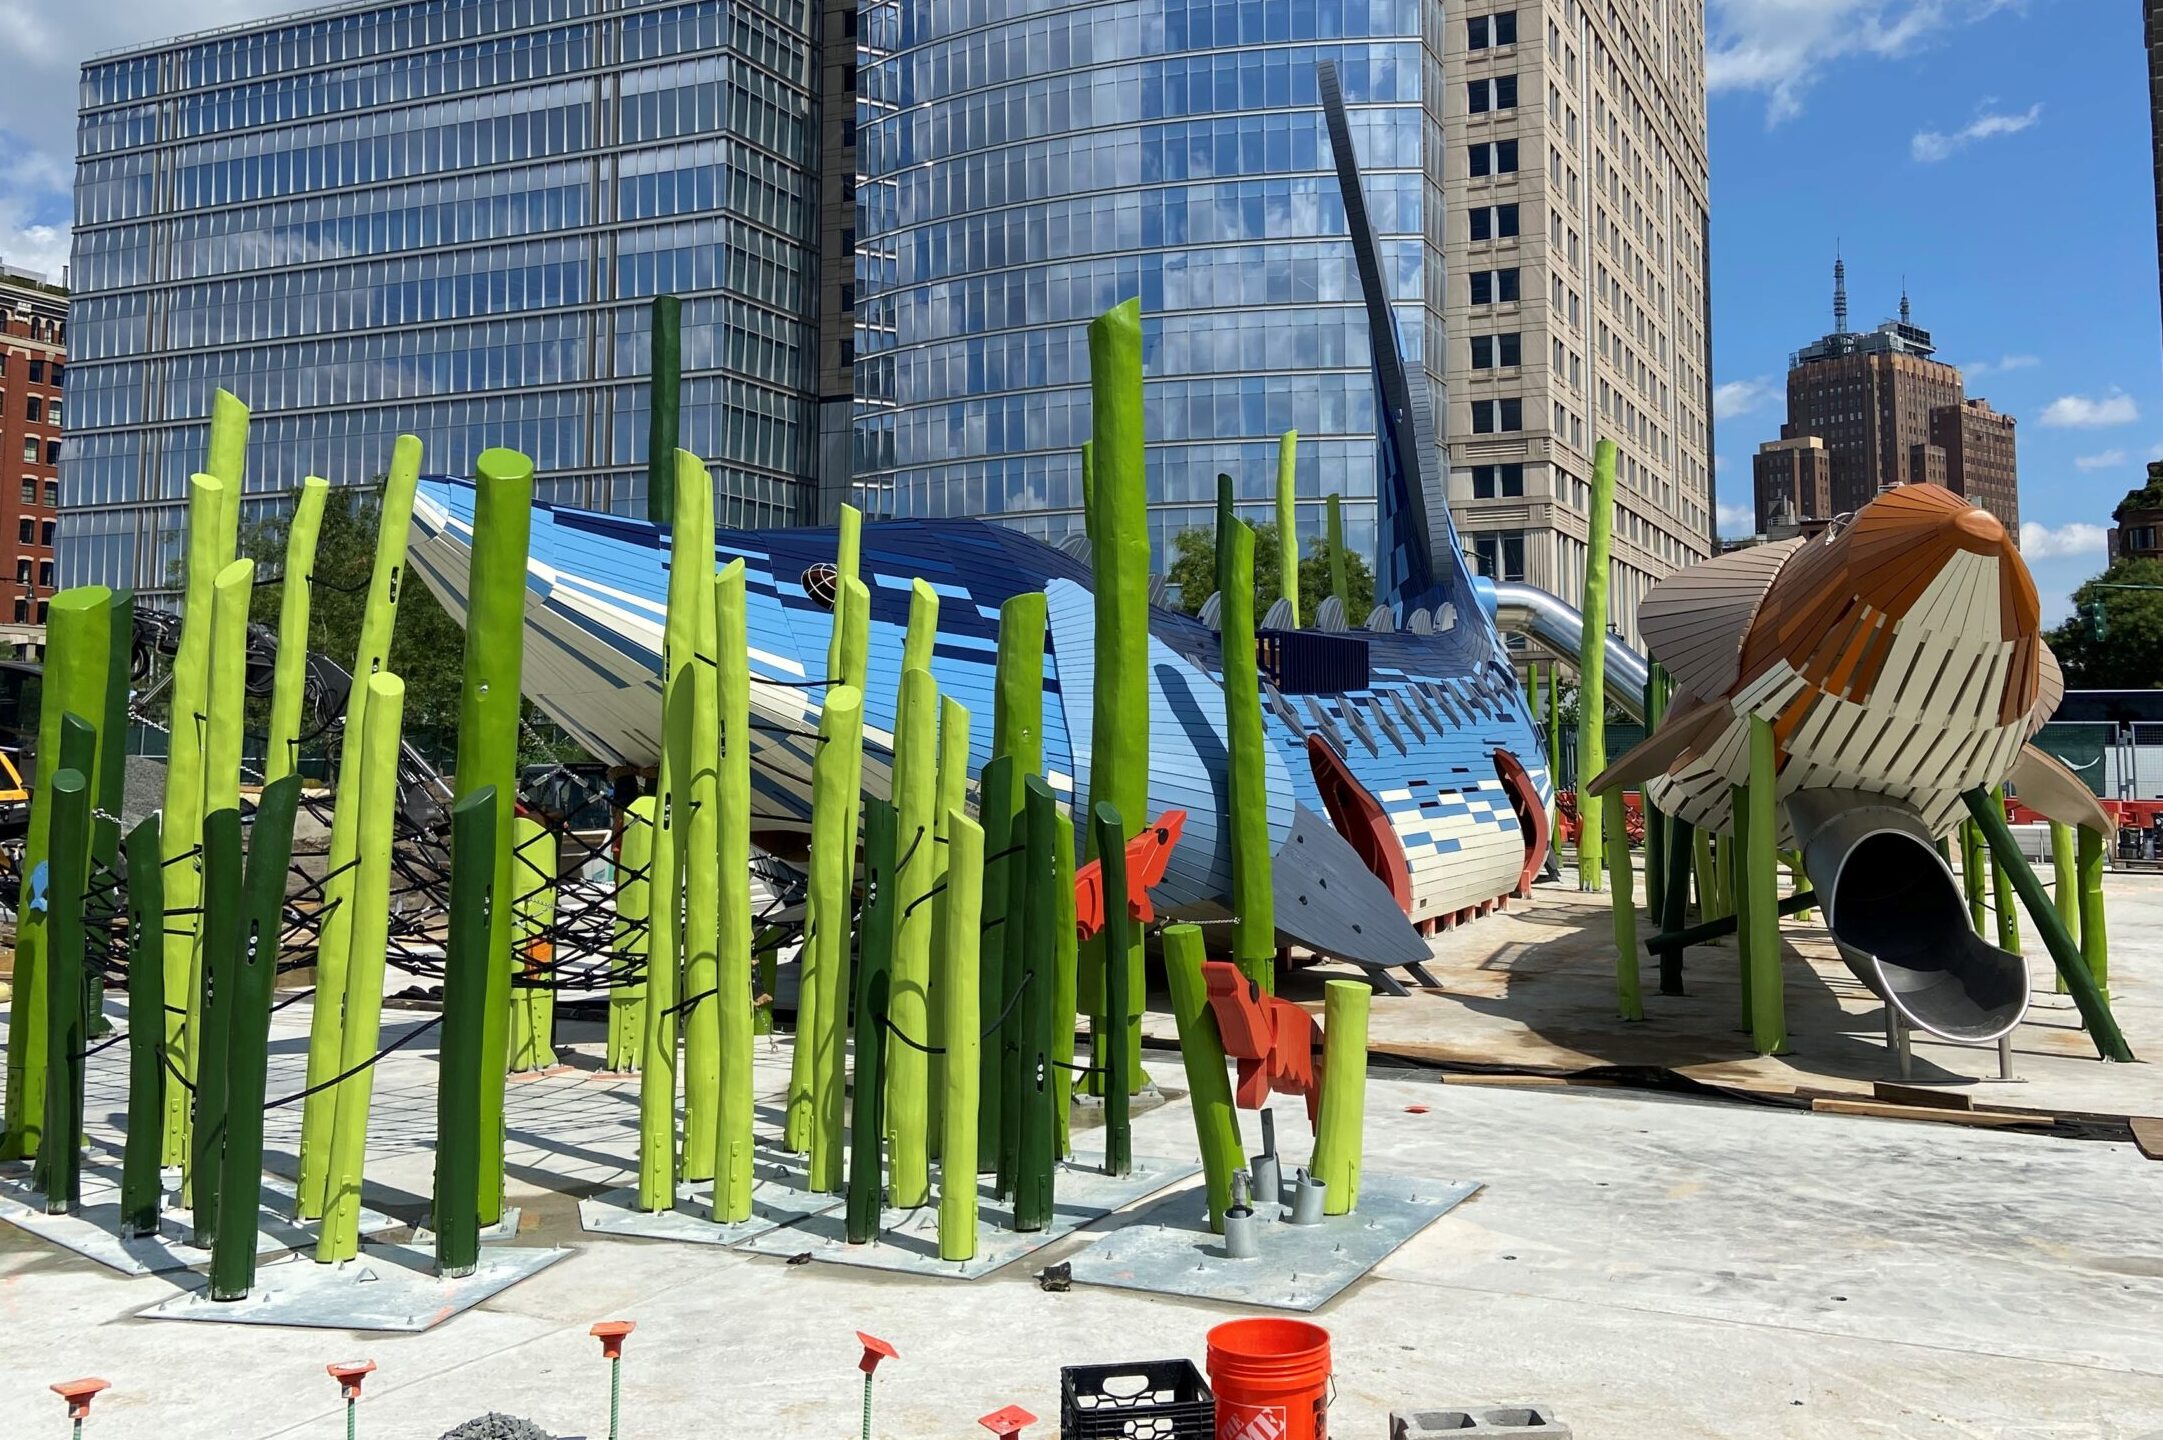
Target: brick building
33, 355
1977, 443
1792, 480
2137, 529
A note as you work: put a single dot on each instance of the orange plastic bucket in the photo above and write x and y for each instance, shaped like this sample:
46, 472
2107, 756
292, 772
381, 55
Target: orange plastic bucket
1271, 1379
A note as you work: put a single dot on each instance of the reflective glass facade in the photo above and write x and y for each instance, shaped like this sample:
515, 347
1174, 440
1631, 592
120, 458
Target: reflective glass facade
1029, 164
446, 217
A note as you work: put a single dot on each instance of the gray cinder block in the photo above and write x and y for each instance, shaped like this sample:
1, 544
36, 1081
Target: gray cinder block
1478, 1422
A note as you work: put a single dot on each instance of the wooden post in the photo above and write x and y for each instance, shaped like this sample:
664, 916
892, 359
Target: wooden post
1675, 902
1000, 912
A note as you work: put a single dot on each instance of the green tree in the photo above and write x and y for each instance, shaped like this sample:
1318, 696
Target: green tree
1194, 571
2114, 638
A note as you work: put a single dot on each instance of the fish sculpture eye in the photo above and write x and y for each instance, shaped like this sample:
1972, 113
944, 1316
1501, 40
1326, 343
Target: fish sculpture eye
822, 582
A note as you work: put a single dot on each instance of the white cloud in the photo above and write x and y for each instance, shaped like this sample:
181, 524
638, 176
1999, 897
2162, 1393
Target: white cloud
1777, 48
2108, 460
1737, 519
2086, 412
1740, 397
1975, 368
2077, 537
1929, 146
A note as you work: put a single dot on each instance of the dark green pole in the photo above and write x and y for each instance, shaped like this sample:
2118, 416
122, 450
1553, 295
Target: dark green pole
1111, 838
998, 821
874, 979
661, 428
1675, 900
1033, 1168
140, 1190
254, 972
77, 751
60, 1158
465, 1006
1655, 822
2094, 1008
1337, 585
222, 907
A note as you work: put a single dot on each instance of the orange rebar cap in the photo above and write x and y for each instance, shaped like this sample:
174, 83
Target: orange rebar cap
1009, 1421
79, 1393
875, 1350
349, 1374
610, 1333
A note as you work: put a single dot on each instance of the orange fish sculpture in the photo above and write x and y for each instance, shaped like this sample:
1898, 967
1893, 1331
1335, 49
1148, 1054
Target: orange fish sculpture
1900, 662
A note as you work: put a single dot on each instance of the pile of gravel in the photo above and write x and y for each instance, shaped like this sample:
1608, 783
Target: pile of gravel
497, 1427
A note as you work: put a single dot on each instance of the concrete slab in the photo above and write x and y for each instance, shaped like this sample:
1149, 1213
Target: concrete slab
909, 1239
780, 1195
94, 1232
1167, 1248
384, 1288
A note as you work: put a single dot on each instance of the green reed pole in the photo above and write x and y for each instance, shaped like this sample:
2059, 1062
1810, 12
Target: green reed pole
960, 922
1201, 1049
463, 1065
634, 888
874, 977
908, 1075
732, 788
281, 752
836, 784
1111, 1054
141, 1190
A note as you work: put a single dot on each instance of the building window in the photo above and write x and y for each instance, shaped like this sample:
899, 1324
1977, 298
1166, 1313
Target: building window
44, 607
22, 612
34, 410
1495, 157
1497, 92
23, 566
30, 491
1482, 31
1491, 287
1494, 416
52, 412
1490, 351
1493, 222
52, 452
27, 531
30, 451
1498, 482
1501, 554
848, 133
45, 573
45, 534
37, 371
52, 492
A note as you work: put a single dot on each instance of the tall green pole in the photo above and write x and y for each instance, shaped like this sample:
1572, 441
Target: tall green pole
952, 795
67, 1027
78, 636
836, 788
848, 547
2085, 984
254, 971
1628, 1000
908, 1075
340, 1237
533, 914
1033, 1167
1592, 664
109, 798
281, 754
874, 977
465, 996
1656, 687
140, 1185
1287, 522
694, 544
2001, 886
2094, 926
333, 931
665, 367
2065, 878
1254, 915
1119, 743
1972, 877
1554, 761
1065, 993
1017, 736
1768, 1001
1340, 1129
1338, 586
1732, 864
1113, 1037
1000, 909
488, 710
732, 788
960, 919
1201, 1049
634, 887
227, 458
1675, 901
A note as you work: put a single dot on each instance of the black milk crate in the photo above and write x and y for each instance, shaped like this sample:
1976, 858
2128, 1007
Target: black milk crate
1135, 1400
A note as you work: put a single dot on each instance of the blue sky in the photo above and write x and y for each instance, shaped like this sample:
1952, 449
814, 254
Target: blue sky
1997, 155
1995, 152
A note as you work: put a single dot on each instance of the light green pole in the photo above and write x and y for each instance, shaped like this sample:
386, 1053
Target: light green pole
1287, 522
78, 637
225, 708
960, 919
1768, 1001
488, 710
848, 547
2065, 882
908, 1076
1254, 932
732, 1147
2094, 927
1119, 744
836, 790
533, 905
1339, 1131
1592, 665
694, 551
1338, 586
1017, 731
627, 997
227, 458
379, 618
1201, 1049
2001, 887
108, 903
281, 753
952, 795
340, 1237
1615, 818
1972, 878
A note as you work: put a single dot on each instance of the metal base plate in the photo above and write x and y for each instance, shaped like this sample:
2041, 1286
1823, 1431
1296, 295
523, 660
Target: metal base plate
780, 1195
1168, 1250
424, 1235
387, 1287
909, 1239
94, 1232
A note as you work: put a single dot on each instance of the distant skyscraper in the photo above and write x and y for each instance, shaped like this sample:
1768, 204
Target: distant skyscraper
1889, 414
1792, 481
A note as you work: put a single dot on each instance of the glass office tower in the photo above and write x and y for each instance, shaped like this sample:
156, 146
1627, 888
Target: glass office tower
1029, 164
448, 219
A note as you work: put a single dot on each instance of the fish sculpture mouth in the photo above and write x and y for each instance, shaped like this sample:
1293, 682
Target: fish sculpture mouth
1328, 901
